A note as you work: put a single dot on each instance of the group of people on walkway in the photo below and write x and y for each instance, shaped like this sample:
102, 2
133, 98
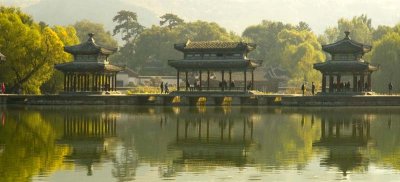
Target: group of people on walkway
164, 87
303, 88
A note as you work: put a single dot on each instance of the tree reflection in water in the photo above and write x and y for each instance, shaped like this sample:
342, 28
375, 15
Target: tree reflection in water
128, 142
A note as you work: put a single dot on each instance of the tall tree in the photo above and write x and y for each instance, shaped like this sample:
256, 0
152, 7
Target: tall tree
171, 20
127, 25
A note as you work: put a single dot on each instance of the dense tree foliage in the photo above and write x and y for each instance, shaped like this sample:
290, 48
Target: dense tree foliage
292, 47
31, 51
103, 37
155, 44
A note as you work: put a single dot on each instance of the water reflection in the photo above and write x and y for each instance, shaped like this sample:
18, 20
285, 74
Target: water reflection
345, 136
88, 135
197, 143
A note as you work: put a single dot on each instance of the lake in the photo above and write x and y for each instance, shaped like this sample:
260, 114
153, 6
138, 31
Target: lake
127, 143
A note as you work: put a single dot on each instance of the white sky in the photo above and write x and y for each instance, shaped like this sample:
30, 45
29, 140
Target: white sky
236, 15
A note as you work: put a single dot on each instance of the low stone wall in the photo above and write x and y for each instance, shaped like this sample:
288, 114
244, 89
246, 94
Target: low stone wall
142, 99
170, 100
344, 100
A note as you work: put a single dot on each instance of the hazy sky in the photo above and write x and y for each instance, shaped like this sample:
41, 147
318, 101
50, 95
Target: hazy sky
238, 14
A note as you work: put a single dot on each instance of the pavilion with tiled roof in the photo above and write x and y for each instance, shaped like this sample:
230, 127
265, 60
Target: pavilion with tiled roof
346, 60
90, 71
215, 56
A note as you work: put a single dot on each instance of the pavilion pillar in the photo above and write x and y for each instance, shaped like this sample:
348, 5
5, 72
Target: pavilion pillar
369, 82
323, 83
338, 81
355, 81
103, 82
201, 80
331, 83
111, 82
362, 82
78, 82
230, 79
74, 77
208, 79
108, 82
245, 80
69, 82
177, 80
186, 81
222, 80
252, 79
115, 81
95, 78
65, 82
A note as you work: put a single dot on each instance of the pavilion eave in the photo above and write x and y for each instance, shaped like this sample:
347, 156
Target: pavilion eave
224, 64
87, 67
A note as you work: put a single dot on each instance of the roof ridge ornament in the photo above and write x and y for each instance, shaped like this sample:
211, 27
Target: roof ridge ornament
347, 33
91, 39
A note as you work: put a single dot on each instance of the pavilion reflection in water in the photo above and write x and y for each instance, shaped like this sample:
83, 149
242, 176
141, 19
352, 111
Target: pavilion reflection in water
345, 138
88, 135
213, 139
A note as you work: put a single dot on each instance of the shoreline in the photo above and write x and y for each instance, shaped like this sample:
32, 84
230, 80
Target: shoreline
208, 100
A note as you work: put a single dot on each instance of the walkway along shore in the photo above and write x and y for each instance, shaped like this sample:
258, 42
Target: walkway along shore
193, 100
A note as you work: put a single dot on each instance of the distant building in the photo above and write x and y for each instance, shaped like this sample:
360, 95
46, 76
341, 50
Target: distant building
127, 77
145, 80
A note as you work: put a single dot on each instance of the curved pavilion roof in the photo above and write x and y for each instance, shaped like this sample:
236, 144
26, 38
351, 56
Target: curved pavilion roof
88, 67
346, 46
89, 47
206, 46
344, 66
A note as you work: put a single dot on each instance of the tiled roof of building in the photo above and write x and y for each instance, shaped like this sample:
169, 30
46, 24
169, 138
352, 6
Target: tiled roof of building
214, 45
87, 67
344, 66
346, 46
89, 47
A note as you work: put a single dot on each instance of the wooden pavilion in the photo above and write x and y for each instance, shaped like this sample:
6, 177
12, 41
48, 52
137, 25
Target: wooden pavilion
346, 60
215, 56
91, 71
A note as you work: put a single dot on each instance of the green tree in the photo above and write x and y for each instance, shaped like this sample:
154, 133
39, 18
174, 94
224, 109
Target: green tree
171, 20
30, 65
127, 25
301, 51
386, 53
156, 43
360, 27
103, 37
265, 35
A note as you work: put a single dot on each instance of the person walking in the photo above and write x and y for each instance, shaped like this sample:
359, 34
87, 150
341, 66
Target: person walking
390, 86
303, 88
166, 90
313, 88
162, 87
3, 88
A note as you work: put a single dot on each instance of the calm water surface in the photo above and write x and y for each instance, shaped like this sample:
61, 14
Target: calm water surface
199, 144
